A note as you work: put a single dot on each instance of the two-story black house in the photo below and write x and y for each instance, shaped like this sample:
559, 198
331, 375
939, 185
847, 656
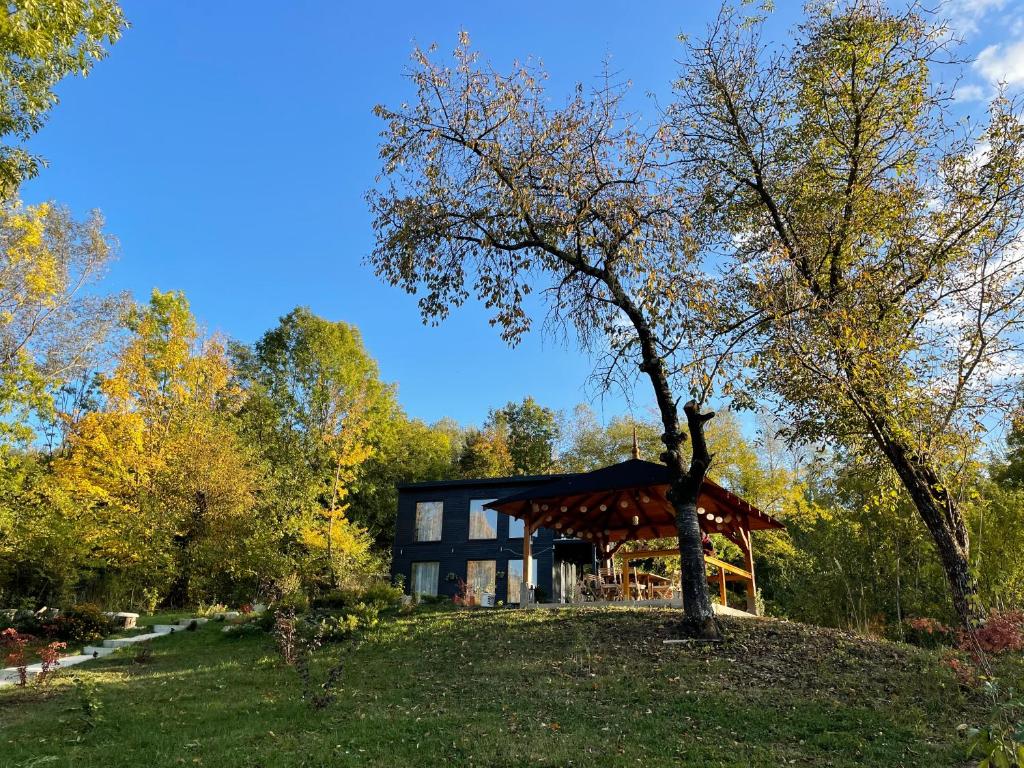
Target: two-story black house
444, 536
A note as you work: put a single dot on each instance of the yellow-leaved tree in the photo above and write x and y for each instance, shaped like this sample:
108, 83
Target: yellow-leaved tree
163, 480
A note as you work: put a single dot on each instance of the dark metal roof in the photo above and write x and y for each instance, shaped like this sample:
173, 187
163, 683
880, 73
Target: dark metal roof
481, 481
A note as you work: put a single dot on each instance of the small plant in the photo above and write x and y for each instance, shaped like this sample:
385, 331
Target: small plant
928, 633
144, 655
465, 594
1001, 633
285, 635
1000, 743
88, 706
322, 695
84, 623
15, 655
50, 658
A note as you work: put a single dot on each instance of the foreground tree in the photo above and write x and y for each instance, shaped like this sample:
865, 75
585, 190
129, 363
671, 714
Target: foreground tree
872, 241
41, 43
491, 191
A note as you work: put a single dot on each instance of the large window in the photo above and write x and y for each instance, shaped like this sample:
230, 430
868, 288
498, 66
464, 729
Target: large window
515, 579
428, 520
424, 579
480, 577
483, 523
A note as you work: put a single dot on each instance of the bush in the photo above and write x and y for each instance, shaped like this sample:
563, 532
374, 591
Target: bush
83, 623
928, 633
1001, 633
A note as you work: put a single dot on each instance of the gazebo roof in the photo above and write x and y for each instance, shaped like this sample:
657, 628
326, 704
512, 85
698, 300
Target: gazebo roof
626, 501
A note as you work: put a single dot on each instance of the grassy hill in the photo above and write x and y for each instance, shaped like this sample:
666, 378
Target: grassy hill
508, 688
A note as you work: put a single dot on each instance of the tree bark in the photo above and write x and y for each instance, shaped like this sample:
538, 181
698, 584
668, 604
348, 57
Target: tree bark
699, 615
945, 523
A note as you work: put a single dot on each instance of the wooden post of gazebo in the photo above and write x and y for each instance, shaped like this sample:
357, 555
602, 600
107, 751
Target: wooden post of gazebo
524, 594
748, 558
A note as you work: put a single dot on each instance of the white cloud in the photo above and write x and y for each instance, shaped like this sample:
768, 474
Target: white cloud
970, 92
1002, 63
964, 15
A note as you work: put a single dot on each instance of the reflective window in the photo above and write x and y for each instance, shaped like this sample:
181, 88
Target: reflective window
428, 520
480, 577
424, 579
483, 523
514, 583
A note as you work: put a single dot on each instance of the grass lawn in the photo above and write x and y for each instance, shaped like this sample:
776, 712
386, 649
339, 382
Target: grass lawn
507, 688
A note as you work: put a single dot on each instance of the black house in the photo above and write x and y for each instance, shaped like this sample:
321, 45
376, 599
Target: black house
444, 536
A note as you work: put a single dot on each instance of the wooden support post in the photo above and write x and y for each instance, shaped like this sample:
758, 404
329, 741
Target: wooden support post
722, 594
625, 578
748, 554
524, 594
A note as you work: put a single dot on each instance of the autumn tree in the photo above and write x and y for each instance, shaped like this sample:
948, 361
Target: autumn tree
592, 445
41, 43
871, 240
52, 323
154, 468
489, 190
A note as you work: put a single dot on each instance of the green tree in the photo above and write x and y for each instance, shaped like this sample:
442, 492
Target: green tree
870, 243
41, 43
315, 399
533, 433
592, 445
485, 453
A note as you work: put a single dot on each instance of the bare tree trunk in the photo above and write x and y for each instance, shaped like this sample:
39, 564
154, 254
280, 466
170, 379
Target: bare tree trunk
699, 620
699, 617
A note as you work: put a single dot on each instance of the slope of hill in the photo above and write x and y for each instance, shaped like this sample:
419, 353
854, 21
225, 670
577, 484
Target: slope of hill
508, 688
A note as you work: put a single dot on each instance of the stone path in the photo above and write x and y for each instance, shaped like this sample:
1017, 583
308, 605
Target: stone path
9, 676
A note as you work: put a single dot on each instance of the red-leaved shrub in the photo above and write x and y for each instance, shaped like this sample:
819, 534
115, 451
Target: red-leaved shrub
1002, 632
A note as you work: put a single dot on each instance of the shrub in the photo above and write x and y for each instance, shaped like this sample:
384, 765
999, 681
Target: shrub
13, 644
83, 623
1001, 633
928, 633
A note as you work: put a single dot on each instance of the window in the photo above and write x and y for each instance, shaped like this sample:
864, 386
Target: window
424, 579
480, 577
516, 529
428, 520
515, 579
483, 523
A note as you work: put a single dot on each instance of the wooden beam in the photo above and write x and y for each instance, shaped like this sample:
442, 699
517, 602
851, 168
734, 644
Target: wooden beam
524, 595
752, 584
722, 594
625, 578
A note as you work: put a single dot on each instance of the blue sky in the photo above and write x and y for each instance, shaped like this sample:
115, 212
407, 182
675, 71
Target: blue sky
229, 146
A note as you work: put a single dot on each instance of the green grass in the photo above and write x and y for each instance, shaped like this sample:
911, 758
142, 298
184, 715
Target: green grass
507, 688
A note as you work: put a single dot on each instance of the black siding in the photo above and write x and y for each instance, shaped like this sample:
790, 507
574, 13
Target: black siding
455, 547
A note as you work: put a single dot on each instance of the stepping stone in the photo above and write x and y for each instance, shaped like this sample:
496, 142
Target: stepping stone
124, 642
226, 615
70, 661
166, 629
198, 621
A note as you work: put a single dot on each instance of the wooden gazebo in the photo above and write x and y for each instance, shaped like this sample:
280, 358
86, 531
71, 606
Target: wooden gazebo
627, 502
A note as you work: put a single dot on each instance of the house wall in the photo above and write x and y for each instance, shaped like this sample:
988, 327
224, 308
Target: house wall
455, 546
